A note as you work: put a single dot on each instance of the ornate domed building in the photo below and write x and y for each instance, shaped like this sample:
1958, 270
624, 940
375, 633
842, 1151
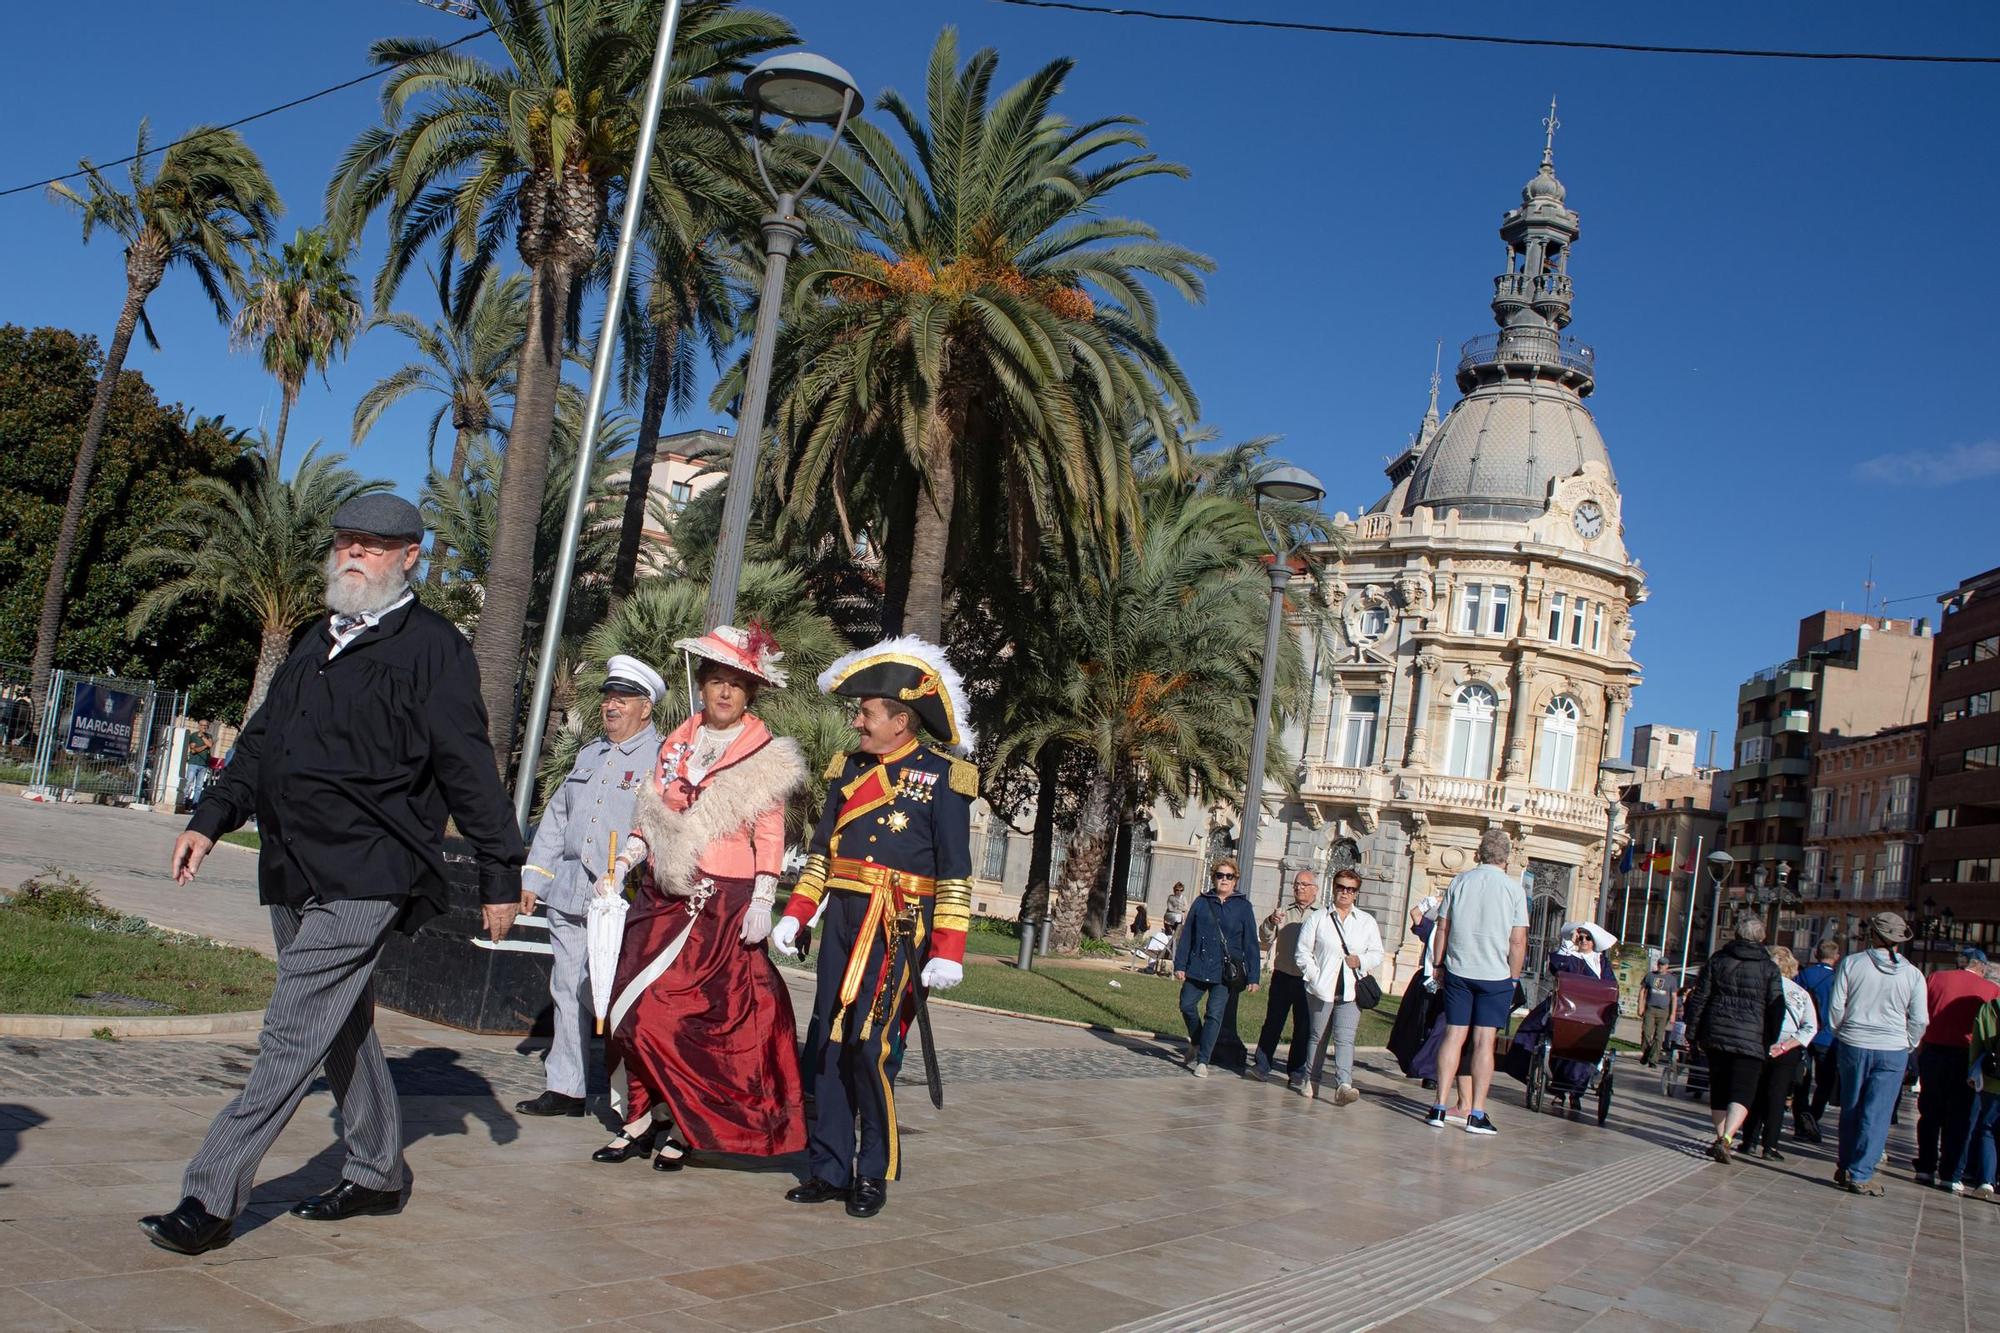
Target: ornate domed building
1480, 665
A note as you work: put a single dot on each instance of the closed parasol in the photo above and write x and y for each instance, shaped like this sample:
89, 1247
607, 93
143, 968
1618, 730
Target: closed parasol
604, 934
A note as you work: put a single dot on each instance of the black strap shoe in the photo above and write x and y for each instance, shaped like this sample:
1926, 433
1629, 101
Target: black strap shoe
551, 1104
814, 1190
346, 1200
188, 1229
867, 1198
625, 1147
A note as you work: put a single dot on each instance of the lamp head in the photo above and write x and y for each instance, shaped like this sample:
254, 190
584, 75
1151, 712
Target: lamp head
1282, 481
803, 87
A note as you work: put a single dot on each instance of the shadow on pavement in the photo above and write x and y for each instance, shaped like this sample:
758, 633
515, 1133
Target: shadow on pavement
15, 1120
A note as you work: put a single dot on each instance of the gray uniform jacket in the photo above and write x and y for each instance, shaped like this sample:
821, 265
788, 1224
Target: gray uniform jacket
572, 846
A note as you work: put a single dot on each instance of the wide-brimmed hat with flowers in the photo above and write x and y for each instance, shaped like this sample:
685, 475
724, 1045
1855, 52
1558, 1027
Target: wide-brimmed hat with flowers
752, 651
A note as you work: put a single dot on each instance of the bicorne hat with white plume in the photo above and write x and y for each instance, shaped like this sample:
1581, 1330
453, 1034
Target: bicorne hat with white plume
914, 673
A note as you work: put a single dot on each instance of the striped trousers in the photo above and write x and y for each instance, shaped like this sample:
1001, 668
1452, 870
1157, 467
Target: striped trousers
322, 1012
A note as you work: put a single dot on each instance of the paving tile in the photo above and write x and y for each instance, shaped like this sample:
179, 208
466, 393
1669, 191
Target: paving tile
732, 1280
161, 1300
22, 1313
746, 1314
885, 1287
1053, 1300
602, 1303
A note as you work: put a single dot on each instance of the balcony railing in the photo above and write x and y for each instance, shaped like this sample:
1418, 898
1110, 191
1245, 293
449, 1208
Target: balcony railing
1372, 787
1527, 349
1521, 287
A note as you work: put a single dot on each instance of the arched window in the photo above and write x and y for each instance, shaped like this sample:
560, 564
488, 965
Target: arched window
1471, 753
1555, 753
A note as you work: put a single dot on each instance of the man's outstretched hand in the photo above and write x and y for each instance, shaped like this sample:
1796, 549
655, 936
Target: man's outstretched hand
190, 850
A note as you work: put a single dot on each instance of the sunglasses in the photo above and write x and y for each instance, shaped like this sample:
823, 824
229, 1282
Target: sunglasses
1347, 888
1225, 874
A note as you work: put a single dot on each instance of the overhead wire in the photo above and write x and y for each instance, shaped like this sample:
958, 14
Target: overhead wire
314, 96
1489, 39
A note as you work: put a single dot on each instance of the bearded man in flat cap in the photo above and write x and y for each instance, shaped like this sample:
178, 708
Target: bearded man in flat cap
371, 733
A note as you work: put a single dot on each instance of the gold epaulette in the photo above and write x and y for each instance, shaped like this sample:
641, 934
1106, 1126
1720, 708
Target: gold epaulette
964, 777
836, 766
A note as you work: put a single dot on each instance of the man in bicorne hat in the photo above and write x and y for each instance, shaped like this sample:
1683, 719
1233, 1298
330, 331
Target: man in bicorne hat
572, 850
892, 861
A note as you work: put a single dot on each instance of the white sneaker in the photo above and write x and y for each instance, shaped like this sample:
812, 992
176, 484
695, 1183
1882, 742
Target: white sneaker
1983, 1192
1956, 1187
1346, 1095
1200, 1070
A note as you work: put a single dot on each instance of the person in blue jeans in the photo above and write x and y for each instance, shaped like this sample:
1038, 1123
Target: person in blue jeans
1220, 925
1982, 1154
1879, 1015
1811, 1093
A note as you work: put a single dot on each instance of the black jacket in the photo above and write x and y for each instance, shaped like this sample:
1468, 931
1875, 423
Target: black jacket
352, 764
1739, 1003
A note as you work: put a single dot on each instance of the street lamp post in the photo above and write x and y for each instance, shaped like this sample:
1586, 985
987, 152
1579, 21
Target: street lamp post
803, 89
1285, 484
1718, 865
1617, 770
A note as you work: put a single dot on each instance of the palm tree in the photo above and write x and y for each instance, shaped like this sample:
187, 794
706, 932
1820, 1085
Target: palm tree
258, 545
471, 153
1150, 666
301, 313
981, 320
209, 200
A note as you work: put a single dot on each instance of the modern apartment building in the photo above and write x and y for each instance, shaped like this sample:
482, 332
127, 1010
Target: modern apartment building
1960, 871
1861, 836
1854, 675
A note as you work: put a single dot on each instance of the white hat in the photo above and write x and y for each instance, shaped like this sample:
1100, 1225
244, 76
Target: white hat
752, 651
631, 676
1599, 936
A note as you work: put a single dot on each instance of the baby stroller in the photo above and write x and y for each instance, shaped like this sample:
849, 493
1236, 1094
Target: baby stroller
1582, 1013
1683, 1068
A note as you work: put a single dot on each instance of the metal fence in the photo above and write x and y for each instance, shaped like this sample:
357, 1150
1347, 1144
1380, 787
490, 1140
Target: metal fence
99, 736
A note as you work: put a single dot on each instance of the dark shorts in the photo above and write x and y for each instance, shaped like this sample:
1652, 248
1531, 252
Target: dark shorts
1477, 1004
1732, 1078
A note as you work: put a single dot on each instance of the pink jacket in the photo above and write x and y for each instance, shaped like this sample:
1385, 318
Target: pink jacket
742, 800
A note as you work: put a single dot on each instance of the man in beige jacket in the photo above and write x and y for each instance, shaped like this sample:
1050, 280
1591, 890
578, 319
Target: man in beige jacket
1279, 937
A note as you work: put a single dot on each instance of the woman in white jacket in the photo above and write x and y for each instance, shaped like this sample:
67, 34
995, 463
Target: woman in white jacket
1337, 947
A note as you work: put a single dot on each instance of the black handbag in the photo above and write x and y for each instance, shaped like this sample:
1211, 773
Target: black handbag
1367, 990
1234, 975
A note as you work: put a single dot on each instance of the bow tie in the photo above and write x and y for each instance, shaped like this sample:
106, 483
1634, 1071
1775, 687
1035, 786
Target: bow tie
342, 624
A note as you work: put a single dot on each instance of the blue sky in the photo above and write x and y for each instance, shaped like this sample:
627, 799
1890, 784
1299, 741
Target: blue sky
1785, 267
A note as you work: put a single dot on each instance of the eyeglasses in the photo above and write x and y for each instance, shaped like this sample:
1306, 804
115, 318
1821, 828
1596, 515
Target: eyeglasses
368, 542
1225, 874
1347, 888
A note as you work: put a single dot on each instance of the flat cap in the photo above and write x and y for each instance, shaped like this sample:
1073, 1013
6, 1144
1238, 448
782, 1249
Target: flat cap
1889, 926
380, 514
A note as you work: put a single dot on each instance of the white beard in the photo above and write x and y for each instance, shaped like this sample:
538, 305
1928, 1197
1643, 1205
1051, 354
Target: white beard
351, 592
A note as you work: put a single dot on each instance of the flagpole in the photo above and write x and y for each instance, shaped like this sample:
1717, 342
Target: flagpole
1646, 917
1667, 907
1687, 940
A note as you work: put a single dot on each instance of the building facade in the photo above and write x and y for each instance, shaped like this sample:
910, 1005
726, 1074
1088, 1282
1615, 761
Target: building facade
1480, 662
1661, 895
686, 464
1665, 751
1960, 820
1861, 836
1854, 675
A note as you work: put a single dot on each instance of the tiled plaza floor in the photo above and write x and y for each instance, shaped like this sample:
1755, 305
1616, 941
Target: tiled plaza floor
1075, 1181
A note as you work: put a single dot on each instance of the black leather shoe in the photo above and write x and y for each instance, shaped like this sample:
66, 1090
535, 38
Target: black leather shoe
616, 1152
551, 1103
663, 1162
814, 1190
346, 1200
188, 1229
868, 1196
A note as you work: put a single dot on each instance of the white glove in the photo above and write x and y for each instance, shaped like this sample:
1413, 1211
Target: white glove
756, 922
942, 974
608, 885
785, 938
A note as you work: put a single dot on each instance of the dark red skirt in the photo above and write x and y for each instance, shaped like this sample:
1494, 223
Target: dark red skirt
712, 1037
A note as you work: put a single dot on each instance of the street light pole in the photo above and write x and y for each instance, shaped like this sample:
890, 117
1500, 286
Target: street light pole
593, 413
1616, 769
801, 88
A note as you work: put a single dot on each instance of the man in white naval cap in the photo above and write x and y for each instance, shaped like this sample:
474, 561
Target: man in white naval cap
572, 849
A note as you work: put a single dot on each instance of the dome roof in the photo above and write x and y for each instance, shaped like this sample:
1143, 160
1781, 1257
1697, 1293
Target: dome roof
1500, 447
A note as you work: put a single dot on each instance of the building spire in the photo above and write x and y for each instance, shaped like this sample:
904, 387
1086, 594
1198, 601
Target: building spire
1430, 423
1551, 124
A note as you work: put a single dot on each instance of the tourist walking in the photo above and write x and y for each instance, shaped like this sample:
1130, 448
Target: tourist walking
1879, 1016
371, 734
1279, 937
1952, 1000
571, 852
1658, 1001
1482, 942
1819, 1081
1215, 956
699, 1041
1982, 1172
1787, 1062
1338, 950
1734, 1015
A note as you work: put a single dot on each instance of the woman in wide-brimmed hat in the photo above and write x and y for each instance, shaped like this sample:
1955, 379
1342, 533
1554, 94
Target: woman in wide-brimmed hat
700, 1036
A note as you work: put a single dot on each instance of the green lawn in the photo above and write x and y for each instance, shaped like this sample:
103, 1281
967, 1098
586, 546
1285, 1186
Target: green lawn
1083, 993
45, 965
244, 838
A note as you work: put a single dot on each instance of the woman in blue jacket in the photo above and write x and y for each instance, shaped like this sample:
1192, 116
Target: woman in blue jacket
1221, 928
